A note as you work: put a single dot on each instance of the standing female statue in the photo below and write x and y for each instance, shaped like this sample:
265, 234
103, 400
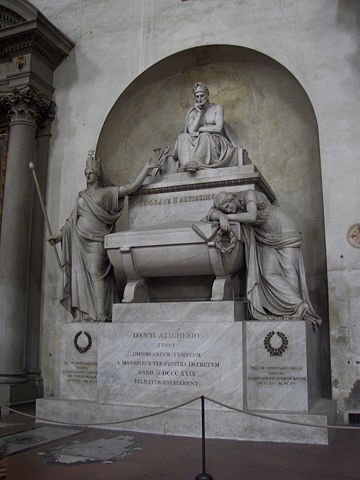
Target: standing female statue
276, 283
207, 141
88, 288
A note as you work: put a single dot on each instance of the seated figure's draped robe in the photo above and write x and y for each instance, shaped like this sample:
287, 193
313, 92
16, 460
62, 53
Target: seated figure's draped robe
208, 150
84, 258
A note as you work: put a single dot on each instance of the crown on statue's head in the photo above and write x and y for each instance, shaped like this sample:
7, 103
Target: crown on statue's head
92, 163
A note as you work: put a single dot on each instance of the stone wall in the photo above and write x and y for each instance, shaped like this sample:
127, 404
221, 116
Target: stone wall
316, 41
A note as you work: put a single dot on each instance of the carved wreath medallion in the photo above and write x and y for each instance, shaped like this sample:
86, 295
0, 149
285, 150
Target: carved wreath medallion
225, 241
276, 351
85, 348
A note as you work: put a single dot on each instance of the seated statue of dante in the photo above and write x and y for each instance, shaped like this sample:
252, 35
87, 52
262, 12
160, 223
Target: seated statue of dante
207, 141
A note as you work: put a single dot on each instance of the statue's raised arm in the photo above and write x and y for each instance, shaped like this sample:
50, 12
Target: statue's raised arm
88, 283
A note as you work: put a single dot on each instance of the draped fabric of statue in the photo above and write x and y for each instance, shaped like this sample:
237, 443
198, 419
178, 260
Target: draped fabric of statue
207, 150
276, 282
85, 262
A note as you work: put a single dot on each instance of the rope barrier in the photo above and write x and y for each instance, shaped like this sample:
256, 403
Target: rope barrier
118, 422
281, 420
161, 412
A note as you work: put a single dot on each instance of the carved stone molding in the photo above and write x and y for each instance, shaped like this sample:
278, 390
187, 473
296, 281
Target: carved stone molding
28, 105
46, 117
9, 18
23, 29
30, 42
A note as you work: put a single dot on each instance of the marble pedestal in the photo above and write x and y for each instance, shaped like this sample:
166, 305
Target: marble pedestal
158, 355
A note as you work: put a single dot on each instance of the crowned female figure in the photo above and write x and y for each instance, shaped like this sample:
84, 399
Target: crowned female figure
88, 282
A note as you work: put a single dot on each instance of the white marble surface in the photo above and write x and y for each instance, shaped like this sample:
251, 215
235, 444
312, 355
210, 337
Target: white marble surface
205, 312
278, 383
317, 44
184, 179
78, 371
163, 364
220, 423
174, 206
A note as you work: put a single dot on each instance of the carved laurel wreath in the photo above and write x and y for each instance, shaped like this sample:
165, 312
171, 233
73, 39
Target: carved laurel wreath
77, 346
225, 241
276, 351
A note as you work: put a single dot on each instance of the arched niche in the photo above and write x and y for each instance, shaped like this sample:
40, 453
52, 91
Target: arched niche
264, 103
270, 113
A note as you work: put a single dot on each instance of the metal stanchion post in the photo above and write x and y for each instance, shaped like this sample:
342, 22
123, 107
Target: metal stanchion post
203, 475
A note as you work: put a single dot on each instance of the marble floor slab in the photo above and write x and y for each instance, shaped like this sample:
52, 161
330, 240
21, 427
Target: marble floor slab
101, 450
18, 442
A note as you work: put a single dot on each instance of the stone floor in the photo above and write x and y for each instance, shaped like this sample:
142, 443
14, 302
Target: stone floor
43, 453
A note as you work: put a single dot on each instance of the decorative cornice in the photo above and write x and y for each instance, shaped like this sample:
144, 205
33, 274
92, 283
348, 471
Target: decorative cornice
26, 30
28, 42
9, 18
256, 178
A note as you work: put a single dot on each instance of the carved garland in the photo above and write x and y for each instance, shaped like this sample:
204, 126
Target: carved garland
225, 241
276, 351
78, 347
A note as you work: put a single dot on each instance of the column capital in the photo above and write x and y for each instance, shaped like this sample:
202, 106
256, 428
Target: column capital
47, 115
27, 106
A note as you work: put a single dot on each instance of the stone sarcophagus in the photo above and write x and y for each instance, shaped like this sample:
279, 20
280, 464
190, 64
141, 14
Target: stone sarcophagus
185, 249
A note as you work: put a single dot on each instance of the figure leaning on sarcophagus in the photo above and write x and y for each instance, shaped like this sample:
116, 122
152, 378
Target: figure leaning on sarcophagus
207, 141
276, 285
88, 282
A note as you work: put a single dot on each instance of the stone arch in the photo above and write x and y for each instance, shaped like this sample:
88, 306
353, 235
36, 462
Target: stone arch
13, 12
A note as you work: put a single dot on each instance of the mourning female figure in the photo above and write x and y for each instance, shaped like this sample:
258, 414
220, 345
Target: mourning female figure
276, 283
88, 283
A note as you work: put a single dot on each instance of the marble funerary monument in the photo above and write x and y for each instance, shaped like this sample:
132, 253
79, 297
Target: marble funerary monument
214, 300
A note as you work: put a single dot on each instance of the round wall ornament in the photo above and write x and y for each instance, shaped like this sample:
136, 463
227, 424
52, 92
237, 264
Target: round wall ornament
353, 235
85, 341
276, 351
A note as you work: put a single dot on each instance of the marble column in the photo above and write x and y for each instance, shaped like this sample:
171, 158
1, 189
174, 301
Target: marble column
32, 354
24, 110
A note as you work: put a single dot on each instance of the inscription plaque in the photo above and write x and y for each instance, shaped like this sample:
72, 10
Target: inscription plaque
166, 364
79, 365
276, 373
